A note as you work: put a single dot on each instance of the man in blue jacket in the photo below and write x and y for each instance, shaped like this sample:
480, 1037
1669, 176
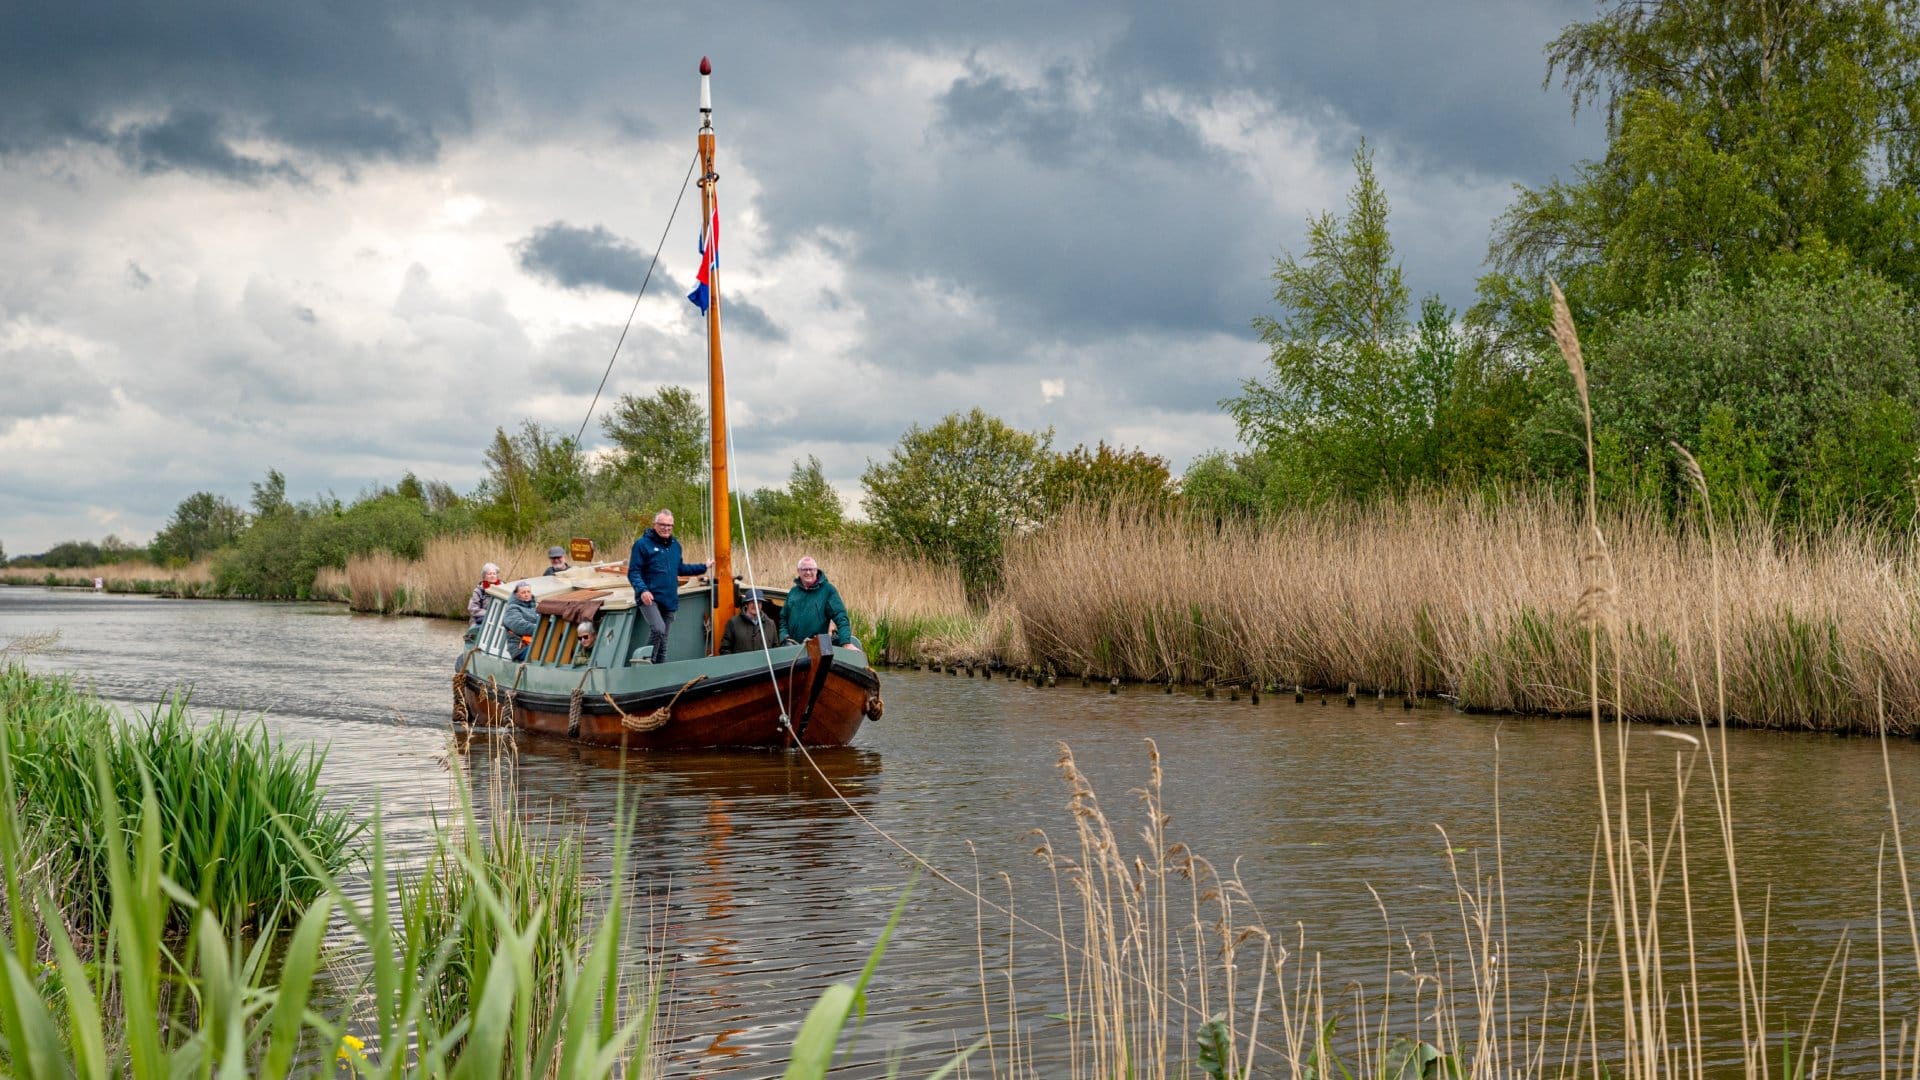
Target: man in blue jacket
654, 569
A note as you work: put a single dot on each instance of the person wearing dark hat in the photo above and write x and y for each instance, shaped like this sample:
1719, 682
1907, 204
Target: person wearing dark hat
556, 561
751, 629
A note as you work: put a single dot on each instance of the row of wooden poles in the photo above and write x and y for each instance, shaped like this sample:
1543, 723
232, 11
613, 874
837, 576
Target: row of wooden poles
1044, 675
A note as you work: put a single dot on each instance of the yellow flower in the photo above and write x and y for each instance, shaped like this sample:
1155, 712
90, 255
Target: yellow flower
350, 1049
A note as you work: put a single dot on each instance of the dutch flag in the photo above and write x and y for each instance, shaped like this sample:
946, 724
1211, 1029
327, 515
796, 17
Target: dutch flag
702, 293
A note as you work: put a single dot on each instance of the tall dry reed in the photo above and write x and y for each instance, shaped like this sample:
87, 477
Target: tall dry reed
193, 579
438, 583
1478, 598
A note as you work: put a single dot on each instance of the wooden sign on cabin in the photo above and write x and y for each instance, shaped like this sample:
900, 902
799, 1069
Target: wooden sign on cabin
580, 550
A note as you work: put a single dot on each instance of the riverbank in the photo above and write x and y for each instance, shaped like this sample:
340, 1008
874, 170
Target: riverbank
194, 580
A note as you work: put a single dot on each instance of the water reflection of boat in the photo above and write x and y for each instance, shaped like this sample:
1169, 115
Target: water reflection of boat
563, 767
811, 693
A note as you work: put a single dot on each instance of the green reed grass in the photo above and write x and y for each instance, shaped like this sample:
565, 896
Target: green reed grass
225, 792
547, 997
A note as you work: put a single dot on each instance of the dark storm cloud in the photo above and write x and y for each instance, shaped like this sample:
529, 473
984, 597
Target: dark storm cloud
175, 85
739, 313
195, 142
576, 258
1050, 129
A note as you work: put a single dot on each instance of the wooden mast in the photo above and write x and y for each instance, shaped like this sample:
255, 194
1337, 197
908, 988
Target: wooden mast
720, 523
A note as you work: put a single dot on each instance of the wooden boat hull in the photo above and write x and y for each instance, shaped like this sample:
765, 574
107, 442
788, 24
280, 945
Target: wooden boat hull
739, 708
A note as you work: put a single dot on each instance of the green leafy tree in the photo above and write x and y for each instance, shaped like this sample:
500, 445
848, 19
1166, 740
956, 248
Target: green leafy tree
1221, 486
1799, 391
1105, 477
270, 494
808, 507
532, 477
202, 524
958, 489
1358, 398
1744, 138
661, 437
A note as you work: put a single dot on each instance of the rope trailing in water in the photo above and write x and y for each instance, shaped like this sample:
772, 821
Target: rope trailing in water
659, 717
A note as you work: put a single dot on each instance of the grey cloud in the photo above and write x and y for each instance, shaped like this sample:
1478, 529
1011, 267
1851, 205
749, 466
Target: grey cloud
44, 382
576, 258
350, 81
195, 142
739, 313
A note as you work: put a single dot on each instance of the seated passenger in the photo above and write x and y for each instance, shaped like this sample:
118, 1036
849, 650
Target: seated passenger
751, 629
477, 603
556, 561
813, 604
521, 620
583, 652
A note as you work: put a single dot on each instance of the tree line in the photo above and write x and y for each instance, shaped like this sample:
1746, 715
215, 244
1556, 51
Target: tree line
1742, 263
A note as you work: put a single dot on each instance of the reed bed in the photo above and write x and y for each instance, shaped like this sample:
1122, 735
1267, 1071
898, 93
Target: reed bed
192, 580
437, 584
1477, 599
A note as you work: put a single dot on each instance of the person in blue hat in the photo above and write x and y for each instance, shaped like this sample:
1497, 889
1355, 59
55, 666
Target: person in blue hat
751, 629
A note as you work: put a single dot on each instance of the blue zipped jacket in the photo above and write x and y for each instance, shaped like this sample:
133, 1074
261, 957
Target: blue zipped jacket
654, 566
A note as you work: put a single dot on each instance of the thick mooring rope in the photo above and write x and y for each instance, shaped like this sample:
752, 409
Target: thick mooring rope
659, 717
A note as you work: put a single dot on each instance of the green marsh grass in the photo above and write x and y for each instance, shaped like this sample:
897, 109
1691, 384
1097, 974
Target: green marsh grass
470, 968
225, 792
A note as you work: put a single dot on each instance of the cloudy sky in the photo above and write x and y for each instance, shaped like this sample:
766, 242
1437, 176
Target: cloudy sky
348, 239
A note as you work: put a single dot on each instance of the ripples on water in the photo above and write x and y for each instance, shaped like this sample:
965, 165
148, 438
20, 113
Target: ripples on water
765, 889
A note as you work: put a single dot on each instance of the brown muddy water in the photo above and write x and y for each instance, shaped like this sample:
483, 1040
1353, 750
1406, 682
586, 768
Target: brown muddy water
763, 888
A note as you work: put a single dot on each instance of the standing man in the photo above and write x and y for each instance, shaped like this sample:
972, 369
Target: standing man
556, 561
654, 569
812, 604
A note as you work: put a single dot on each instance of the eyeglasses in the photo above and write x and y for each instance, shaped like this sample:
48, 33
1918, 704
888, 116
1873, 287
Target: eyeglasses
663, 524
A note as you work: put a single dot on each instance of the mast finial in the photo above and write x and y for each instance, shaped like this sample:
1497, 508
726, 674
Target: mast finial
706, 66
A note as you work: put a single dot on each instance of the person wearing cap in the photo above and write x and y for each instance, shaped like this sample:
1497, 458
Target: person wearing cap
654, 570
583, 652
556, 561
521, 619
812, 604
477, 603
751, 629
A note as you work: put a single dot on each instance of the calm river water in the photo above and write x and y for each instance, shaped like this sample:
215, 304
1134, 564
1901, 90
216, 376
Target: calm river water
764, 888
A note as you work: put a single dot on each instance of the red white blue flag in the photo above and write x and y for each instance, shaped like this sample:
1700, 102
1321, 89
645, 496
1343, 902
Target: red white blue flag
702, 294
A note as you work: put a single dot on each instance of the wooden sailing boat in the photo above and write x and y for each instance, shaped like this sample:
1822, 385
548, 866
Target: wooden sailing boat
813, 693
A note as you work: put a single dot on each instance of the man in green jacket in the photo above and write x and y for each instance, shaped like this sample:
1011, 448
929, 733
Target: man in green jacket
812, 604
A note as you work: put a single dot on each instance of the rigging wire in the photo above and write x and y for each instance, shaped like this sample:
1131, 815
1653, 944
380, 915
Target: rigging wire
677, 199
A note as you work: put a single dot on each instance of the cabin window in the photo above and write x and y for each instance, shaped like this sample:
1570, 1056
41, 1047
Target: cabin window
492, 631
